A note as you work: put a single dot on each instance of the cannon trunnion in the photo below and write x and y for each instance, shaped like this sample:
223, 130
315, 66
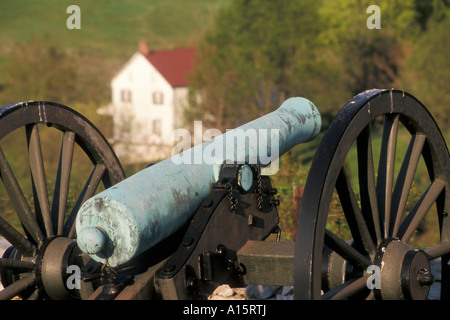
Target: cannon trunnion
359, 234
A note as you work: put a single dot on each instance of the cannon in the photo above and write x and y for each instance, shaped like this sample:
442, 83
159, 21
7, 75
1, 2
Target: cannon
178, 229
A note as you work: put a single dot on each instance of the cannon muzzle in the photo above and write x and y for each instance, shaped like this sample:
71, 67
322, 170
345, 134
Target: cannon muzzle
129, 218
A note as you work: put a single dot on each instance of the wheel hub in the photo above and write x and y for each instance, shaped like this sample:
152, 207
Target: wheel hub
335, 269
7, 277
53, 259
404, 272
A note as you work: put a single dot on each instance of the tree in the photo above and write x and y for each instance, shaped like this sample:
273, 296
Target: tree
40, 72
370, 58
430, 9
258, 54
426, 72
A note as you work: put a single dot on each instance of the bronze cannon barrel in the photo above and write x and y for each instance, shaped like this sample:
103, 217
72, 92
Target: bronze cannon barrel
132, 216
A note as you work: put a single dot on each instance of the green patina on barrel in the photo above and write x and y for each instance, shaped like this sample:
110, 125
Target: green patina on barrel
142, 210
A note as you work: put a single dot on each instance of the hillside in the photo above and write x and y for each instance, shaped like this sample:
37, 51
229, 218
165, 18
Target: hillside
34, 33
110, 28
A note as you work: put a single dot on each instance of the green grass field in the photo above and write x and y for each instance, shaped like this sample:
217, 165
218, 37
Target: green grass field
109, 36
109, 28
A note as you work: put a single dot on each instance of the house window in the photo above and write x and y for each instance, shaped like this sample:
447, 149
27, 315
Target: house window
158, 97
156, 127
125, 95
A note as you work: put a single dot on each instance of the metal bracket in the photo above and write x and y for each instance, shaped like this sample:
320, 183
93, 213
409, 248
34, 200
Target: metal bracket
207, 256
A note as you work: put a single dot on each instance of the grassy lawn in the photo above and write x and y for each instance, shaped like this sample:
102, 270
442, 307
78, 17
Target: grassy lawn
109, 27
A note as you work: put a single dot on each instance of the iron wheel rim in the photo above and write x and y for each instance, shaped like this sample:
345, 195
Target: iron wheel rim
48, 222
353, 123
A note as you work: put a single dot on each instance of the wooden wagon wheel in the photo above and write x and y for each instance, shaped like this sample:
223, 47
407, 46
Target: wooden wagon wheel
378, 210
43, 244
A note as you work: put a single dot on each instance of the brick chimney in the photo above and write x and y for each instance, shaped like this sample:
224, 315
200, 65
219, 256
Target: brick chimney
144, 48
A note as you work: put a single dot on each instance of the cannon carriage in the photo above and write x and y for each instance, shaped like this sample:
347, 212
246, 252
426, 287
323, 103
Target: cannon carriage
178, 230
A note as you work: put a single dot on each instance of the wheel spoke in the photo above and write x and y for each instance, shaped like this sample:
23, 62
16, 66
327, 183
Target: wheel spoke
16, 238
16, 288
38, 177
346, 290
34, 296
18, 200
16, 265
438, 250
386, 168
355, 219
404, 181
383, 202
43, 217
420, 209
367, 189
87, 192
62, 181
345, 250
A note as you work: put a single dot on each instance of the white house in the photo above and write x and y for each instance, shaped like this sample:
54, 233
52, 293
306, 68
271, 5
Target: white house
149, 94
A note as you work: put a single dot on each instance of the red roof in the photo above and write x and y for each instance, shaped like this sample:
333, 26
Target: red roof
174, 65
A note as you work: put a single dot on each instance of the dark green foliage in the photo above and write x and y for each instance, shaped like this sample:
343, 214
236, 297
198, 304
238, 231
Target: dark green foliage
259, 54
